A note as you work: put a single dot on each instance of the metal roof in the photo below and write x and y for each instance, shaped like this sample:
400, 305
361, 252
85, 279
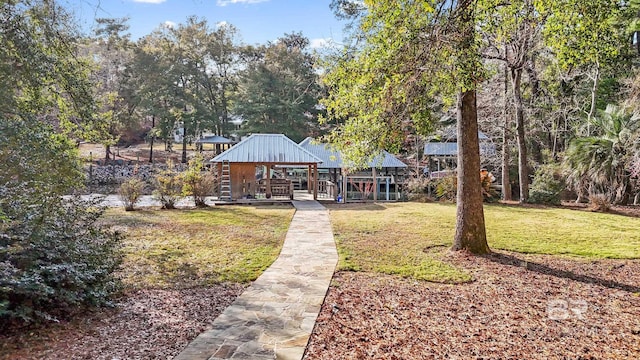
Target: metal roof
215, 139
450, 134
451, 149
267, 148
333, 159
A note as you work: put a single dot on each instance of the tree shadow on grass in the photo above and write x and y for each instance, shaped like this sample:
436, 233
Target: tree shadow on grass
511, 260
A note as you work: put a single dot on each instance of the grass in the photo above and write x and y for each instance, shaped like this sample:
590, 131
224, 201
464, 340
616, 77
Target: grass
412, 239
185, 248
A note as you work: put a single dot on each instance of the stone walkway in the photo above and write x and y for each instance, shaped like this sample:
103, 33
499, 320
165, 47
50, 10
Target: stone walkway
274, 317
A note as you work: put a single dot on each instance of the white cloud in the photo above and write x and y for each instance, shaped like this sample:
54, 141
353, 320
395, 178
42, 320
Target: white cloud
169, 24
221, 24
321, 43
227, 2
150, 1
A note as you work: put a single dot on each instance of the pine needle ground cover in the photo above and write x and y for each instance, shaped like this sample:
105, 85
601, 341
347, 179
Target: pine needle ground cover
560, 284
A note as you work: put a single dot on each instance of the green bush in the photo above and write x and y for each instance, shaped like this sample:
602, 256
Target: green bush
54, 257
419, 188
168, 187
547, 185
196, 182
447, 188
130, 192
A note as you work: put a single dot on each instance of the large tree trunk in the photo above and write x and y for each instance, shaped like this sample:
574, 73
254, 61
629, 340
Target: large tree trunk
506, 158
153, 125
470, 229
523, 171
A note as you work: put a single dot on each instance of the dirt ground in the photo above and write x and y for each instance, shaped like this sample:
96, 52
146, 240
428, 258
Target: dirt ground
518, 307
140, 152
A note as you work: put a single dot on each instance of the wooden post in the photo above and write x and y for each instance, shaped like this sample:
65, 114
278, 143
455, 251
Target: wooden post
344, 186
315, 181
309, 180
267, 190
375, 185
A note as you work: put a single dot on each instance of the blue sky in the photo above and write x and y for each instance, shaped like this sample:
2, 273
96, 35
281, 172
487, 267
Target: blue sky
258, 21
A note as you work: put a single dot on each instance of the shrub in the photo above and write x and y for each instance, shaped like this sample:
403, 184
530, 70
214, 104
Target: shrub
54, 257
599, 202
547, 185
196, 182
168, 187
447, 188
130, 192
419, 188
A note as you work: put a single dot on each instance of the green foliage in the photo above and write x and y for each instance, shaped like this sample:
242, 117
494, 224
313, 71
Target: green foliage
602, 162
31, 152
54, 257
168, 187
547, 185
130, 192
447, 188
196, 182
279, 91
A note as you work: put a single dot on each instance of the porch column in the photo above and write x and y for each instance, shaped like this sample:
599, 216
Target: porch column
309, 180
267, 183
315, 181
375, 185
344, 186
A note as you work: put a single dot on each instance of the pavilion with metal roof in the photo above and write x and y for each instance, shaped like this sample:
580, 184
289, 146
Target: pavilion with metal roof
381, 176
219, 143
251, 167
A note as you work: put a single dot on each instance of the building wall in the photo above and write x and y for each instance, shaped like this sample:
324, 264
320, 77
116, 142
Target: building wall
243, 180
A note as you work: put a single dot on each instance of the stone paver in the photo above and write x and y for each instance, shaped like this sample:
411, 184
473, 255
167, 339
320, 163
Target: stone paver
274, 317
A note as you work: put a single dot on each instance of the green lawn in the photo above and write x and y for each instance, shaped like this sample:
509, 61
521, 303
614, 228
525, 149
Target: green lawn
412, 239
184, 248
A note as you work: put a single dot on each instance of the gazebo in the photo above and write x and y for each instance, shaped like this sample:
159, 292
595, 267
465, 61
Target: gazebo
255, 168
220, 143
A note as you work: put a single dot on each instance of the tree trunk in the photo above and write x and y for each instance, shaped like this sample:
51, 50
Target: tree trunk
107, 151
470, 230
594, 97
184, 144
523, 172
506, 159
153, 125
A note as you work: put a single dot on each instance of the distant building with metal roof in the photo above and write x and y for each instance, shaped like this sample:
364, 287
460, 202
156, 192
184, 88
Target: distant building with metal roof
451, 149
214, 139
332, 159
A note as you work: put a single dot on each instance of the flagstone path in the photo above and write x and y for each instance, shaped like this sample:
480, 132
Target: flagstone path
274, 317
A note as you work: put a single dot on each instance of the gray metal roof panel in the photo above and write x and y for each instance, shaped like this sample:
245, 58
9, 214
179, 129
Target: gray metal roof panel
451, 149
268, 148
333, 159
214, 140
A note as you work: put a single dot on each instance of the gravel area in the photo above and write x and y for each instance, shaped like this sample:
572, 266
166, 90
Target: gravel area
518, 307
147, 324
